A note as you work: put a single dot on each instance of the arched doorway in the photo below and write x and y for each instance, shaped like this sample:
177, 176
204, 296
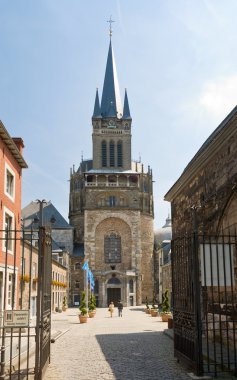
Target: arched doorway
113, 290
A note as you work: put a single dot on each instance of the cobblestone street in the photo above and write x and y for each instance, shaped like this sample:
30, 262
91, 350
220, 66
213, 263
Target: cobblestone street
131, 347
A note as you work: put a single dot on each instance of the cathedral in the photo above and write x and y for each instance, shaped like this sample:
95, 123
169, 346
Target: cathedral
111, 203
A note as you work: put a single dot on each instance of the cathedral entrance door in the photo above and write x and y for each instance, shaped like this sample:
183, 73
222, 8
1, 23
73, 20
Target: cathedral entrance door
113, 295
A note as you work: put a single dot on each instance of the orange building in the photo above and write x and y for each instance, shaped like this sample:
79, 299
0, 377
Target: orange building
11, 165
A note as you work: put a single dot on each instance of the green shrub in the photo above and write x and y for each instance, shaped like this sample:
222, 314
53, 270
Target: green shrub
82, 306
166, 303
154, 302
147, 304
91, 303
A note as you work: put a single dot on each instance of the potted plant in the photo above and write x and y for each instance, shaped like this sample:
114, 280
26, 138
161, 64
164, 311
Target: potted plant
92, 306
154, 308
64, 303
147, 306
83, 309
165, 314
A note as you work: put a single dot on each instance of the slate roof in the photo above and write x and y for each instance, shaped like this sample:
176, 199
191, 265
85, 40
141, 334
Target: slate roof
78, 250
111, 102
97, 110
32, 210
126, 109
85, 166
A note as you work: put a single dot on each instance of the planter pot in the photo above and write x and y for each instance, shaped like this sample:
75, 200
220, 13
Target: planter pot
165, 317
83, 318
91, 314
64, 308
154, 313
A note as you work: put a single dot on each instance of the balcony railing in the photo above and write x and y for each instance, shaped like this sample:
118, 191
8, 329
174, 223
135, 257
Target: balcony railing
110, 184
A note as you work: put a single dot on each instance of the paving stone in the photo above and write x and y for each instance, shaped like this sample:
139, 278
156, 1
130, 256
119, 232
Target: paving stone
131, 347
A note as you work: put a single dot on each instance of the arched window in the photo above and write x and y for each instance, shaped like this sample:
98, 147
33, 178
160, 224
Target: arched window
77, 266
131, 286
111, 153
112, 201
77, 284
114, 281
120, 153
112, 248
104, 153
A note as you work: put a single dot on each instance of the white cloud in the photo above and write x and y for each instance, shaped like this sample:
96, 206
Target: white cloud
219, 97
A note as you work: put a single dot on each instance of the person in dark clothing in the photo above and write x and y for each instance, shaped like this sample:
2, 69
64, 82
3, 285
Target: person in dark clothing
120, 308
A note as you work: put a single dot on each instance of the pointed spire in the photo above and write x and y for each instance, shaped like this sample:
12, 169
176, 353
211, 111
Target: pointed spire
126, 110
97, 110
111, 103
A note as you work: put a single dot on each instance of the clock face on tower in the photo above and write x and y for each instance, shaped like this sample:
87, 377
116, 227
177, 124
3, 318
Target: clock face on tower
111, 124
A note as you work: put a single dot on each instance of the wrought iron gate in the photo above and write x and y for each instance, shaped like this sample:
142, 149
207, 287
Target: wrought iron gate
204, 270
25, 303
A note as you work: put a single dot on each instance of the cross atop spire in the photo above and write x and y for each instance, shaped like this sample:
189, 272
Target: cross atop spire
110, 26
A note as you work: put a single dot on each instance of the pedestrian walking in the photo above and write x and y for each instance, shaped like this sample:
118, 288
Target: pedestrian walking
111, 309
120, 308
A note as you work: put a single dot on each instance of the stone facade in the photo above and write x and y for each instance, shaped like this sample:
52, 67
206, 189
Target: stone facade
76, 280
208, 185
111, 205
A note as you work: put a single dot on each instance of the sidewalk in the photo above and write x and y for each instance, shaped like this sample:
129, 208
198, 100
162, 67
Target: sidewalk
131, 347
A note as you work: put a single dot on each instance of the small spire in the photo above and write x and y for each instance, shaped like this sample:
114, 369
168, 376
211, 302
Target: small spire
126, 110
97, 110
110, 26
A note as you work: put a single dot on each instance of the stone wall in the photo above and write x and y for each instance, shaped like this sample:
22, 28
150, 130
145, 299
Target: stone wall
147, 264
120, 134
124, 222
212, 189
77, 278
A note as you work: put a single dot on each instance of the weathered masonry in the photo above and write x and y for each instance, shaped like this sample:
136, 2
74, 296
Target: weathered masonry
204, 254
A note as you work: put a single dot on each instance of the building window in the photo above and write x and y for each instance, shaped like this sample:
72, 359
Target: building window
9, 290
112, 248
77, 284
111, 153
114, 281
23, 266
77, 266
34, 270
104, 153
120, 154
131, 286
112, 201
8, 225
9, 182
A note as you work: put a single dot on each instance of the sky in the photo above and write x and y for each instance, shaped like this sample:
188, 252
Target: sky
177, 59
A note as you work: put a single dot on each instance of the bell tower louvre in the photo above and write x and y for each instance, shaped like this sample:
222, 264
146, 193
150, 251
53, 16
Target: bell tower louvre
111, 203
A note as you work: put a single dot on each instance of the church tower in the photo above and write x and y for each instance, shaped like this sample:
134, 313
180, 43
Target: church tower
111, 203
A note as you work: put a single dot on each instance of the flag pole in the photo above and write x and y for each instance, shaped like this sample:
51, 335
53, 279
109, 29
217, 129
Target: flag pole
86, 274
